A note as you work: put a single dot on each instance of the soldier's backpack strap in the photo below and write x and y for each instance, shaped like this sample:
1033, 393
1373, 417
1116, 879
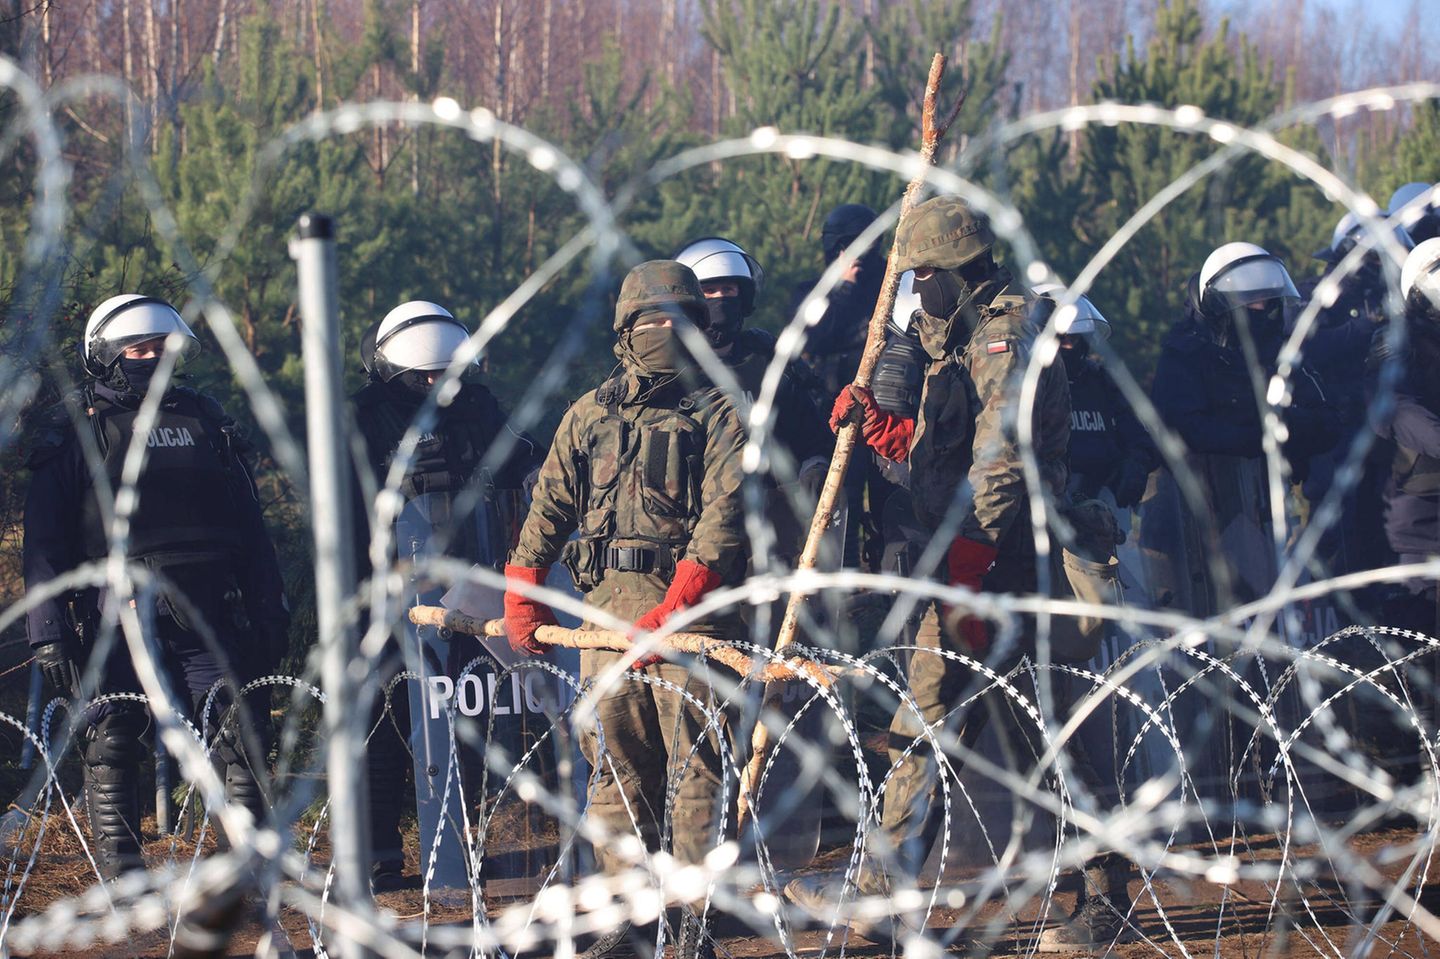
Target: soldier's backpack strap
612, 393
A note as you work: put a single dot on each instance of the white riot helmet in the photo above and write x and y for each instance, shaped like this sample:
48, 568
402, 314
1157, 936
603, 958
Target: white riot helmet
1085, 320
907, 301
1242, 275
1420, 279
126, 320
418, 335
716, 258
1348, 232
1407, 195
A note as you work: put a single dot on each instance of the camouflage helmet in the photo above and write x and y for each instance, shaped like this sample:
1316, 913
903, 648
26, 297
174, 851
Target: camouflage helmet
654, 285
942, 233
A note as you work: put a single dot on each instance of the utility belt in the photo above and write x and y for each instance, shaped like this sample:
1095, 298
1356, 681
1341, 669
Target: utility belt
588, 560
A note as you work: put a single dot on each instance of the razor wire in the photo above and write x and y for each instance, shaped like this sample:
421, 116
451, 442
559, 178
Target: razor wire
1168, 823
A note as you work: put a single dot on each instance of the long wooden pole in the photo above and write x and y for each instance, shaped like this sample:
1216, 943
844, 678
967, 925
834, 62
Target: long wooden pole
849, 435
695, 644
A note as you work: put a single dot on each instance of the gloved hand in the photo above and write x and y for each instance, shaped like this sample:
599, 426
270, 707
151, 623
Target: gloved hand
1130, 485
966, 563
57, 663
692, 580
523, 615
885, 433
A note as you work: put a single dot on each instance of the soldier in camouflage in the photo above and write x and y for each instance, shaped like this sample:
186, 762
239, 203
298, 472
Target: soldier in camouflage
647, 469
974, 325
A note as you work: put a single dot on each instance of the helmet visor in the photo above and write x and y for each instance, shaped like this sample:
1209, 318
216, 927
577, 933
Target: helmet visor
1254, 281
138, 322
1425, 293
424, 343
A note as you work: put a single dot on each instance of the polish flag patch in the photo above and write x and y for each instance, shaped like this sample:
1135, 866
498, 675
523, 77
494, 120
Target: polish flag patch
997, 346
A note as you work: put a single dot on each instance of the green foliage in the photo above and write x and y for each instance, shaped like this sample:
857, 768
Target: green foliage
1122, 167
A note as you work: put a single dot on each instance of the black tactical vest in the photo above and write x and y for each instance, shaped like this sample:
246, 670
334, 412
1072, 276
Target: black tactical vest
643, 467
447, 455
186, 489
899, 374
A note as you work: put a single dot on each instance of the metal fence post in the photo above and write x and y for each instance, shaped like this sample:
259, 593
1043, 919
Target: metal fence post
313, 250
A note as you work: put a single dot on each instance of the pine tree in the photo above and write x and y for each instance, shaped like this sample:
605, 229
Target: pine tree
1122, 167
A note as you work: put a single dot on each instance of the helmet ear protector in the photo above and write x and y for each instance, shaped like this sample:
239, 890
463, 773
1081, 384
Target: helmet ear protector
367, 348
91, 345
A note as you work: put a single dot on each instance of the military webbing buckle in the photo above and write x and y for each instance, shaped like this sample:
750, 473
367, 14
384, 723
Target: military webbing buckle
631, 559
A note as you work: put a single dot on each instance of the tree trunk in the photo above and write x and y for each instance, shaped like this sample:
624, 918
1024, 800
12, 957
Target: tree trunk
127, 64
1074, 77
415, 73
869, 46
546, 25
220, 23
45, 45
315, 21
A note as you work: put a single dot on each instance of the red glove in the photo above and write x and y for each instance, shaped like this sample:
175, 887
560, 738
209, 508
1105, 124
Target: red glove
523, 615
885, 433
692, 581
966, 563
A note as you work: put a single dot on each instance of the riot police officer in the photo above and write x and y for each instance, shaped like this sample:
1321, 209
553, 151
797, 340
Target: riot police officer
218, 614
1110, 452
1205, 391
837, 339
732, 280
1420, 218
466, 476
834, 344
1412, 496
647, 469
1352, 309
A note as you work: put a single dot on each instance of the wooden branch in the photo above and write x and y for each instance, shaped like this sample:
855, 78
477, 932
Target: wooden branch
695, 644
849, 435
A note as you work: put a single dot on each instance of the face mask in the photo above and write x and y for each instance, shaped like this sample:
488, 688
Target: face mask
1074, 357
137, 373
724, 320
411, 385
941, 293
652, 350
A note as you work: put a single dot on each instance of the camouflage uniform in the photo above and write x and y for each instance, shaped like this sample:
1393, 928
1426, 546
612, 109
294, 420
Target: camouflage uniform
648, 471
966, 433
946, 451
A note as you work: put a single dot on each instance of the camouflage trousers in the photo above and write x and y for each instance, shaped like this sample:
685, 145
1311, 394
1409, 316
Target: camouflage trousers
659, 768
911, 816
910, 819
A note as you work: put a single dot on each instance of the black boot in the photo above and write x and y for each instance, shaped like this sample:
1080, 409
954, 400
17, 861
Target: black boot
695, 941
112, 795
1102, 913
242, 775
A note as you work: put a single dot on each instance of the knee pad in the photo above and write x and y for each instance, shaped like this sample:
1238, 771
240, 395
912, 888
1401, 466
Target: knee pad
118, 739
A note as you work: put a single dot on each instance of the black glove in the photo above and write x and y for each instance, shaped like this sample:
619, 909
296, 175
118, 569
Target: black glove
1129, 486
57, 662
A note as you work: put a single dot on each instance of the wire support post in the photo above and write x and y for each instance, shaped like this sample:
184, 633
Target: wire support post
313, 249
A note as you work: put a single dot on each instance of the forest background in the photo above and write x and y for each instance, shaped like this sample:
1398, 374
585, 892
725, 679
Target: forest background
620, 84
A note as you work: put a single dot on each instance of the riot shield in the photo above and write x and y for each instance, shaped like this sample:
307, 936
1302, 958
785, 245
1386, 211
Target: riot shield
498, 711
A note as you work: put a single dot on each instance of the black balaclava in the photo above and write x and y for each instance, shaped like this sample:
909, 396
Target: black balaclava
1075, 356
131, 378
410, 386
651, 351
724, 320
946, 319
